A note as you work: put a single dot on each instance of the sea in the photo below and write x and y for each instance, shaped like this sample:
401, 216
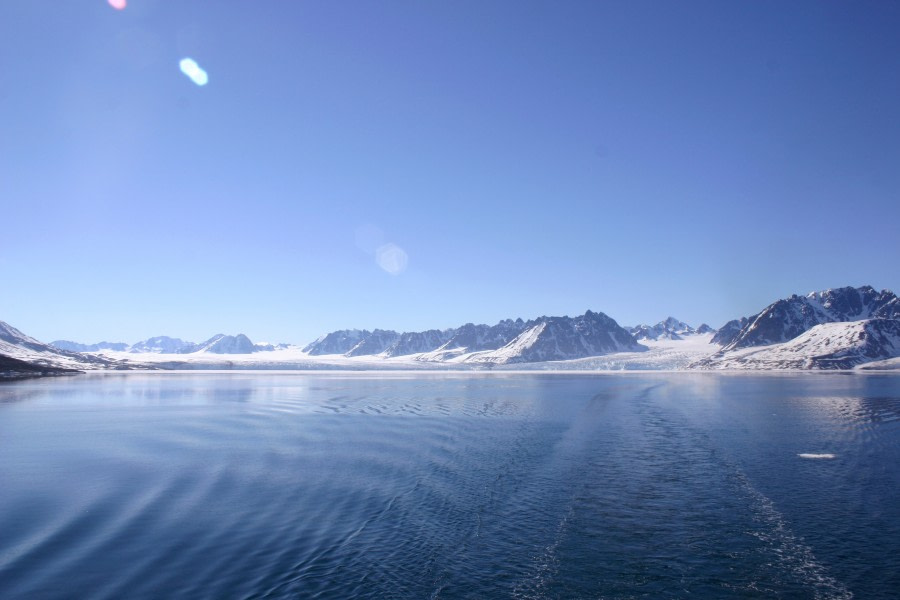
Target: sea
450, 485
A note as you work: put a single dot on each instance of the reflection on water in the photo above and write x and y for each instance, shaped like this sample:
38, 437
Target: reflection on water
449, 486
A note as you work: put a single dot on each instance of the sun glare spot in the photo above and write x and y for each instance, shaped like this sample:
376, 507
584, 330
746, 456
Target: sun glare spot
392, 258
118, 4
190, 68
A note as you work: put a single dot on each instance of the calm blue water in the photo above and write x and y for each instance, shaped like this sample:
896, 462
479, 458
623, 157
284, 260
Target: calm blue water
457, 486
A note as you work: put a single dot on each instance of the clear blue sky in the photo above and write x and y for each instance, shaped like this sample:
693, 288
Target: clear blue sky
699, 159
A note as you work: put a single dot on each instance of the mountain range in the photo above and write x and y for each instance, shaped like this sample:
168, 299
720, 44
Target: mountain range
668, 329
509, 341
24, 354
838, 328
217, 344
833, 329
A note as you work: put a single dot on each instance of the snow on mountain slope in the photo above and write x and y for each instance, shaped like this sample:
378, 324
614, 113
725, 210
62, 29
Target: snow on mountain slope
661, 355
473, 338
416, 342
513, 351
670, 329
545, 338
728, 333
562, 338
161, 345
11, 368
375, 343
224, 344
786, 319
336, 342
16, 345
217, 344
76, 347
837, 345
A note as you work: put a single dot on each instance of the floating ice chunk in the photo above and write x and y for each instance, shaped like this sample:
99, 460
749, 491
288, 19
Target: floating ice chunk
817, 456
190, 68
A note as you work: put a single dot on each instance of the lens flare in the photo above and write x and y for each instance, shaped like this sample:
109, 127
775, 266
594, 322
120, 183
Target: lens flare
392, 258
190, 68
118, 4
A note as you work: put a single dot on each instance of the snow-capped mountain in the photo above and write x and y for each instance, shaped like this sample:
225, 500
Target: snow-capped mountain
417, 342
728, 332
562, 338
474, 338
837, 328
836, 345
223, 344
545, 338
668, 329
76, 347
336, 342
375, 343
16, 345
217, 344
785, 319
833, 329
160, 345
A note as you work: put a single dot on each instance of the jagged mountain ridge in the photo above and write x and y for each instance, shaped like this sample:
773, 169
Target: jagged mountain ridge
835, 345
846, 327
788, 318
76, 347
161, 345
837, 328
418, 342
223, 344
563, 338
380, 340
728, 332
336, 342
669, 329
474, 338
541, 339
217, 344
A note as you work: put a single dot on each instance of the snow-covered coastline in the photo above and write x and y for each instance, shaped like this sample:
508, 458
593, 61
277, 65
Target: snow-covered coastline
663, 354
837, 329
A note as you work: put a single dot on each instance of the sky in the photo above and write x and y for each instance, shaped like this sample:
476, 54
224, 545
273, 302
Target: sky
411, 165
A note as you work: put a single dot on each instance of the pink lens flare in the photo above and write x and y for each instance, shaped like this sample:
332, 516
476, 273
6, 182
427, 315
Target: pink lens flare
118, 4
